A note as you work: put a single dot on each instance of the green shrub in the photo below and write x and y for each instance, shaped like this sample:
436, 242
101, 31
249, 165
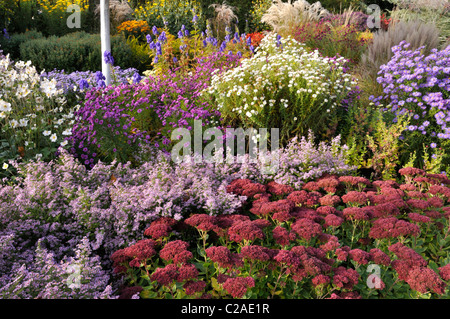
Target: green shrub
77, 51
12, 45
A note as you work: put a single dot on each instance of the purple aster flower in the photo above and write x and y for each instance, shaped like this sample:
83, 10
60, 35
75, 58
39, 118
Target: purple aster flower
136, 78
108, 57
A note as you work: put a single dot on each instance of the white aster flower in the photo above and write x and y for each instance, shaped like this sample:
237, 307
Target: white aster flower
53, 138
47, 133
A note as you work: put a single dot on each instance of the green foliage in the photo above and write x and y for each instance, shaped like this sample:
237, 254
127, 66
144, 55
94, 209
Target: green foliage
259, 7
171, 14
336, 6
77, 51
140, 53
385, 146
12, 45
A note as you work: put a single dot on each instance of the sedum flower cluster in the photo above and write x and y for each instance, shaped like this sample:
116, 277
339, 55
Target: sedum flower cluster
283, 85
317, 249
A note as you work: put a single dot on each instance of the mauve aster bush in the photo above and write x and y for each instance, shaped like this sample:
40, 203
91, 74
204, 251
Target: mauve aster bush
419, 85
315, 251
59, 203
115, 121
81, 80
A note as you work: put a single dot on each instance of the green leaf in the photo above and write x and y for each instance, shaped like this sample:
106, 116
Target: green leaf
216, 286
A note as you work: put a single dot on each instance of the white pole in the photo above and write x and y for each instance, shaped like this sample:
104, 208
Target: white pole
105, 38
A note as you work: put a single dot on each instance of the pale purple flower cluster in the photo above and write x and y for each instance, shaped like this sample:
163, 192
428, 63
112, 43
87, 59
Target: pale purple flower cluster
82, 80
76, 277
419, 85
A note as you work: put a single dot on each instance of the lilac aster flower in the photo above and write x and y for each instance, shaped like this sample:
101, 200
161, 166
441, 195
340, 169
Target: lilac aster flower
108, 57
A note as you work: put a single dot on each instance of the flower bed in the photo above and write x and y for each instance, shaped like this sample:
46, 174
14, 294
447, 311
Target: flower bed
337, 237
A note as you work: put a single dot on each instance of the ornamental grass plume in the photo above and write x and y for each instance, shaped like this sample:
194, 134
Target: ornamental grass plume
283, 15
